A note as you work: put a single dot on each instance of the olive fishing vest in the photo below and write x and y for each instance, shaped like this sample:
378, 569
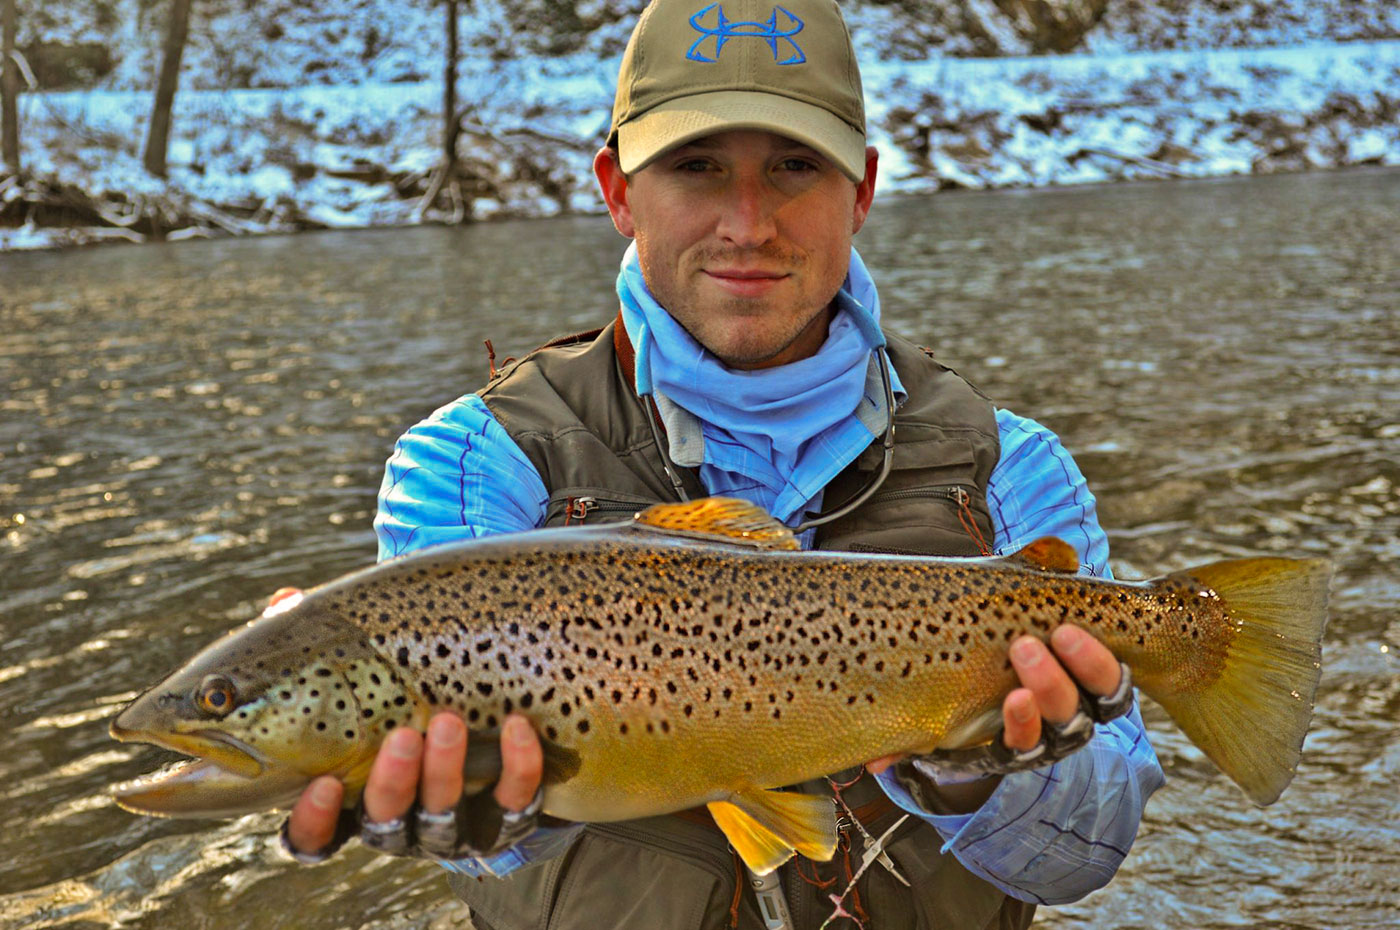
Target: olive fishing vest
573, 410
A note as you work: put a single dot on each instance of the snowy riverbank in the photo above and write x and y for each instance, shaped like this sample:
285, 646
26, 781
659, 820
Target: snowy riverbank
256, 161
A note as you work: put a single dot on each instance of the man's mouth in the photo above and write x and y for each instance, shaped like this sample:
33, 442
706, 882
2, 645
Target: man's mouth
745, 282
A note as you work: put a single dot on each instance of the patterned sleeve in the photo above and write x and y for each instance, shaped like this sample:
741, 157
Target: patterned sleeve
1051, 835
456, 475
1036, 490
459, 475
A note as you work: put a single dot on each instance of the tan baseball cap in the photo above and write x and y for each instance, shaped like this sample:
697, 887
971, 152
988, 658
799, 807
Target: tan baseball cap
697, 67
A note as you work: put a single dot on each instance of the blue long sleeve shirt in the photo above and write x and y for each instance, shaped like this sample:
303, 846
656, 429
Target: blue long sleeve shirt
1050, 835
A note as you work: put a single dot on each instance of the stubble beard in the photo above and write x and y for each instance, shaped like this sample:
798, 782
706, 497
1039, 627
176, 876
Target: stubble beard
756, 343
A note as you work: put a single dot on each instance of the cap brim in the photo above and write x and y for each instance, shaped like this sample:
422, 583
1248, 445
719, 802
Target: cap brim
676, 122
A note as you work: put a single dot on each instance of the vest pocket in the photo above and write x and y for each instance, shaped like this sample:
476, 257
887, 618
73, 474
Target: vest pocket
919, 520
574, 506
947, 895
623, 877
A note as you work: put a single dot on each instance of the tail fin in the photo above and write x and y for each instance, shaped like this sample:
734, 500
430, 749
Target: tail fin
1252, 719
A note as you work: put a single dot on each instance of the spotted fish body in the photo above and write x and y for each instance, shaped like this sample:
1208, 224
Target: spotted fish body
670, 664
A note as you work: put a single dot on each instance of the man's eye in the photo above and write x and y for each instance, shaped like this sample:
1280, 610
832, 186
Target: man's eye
798, 164
693, 165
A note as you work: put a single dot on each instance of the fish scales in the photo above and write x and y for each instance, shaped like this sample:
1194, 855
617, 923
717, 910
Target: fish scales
668, 659
679, 661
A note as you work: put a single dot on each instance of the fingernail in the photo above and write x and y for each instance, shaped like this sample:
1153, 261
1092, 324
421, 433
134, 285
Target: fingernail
1026, 651
1021, 712
402, 745
518, 731
446, 731
324, 793
1067, 640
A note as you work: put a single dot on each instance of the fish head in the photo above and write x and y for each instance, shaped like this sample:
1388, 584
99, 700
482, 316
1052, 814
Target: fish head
265, 710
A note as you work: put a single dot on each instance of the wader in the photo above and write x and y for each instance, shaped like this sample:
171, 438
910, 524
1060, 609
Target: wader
573, 410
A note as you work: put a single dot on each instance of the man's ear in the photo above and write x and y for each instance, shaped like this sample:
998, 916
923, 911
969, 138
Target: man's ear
613, 184
865, 190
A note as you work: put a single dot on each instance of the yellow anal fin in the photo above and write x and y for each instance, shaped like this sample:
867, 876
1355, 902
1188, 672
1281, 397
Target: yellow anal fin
1049, 554
729, 518
767, 827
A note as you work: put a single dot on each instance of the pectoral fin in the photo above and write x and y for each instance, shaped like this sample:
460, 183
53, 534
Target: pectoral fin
483, 763
767, 827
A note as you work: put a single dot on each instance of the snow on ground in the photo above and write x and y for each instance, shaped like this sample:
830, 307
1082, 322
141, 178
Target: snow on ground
351, 156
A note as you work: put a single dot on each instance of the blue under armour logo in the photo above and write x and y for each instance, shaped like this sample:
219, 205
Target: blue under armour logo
725, 30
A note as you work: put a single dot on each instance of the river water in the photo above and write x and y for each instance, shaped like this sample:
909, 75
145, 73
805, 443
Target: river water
185, 428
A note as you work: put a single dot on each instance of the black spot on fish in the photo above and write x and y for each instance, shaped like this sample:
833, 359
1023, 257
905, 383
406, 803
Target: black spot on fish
320, 724
402, 657
583, 726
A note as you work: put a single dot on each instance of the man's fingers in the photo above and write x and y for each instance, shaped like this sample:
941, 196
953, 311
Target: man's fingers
1020, 720
522, 764
312, 826
1087, 659
393, 779
444, 751
1056, 695
876, 766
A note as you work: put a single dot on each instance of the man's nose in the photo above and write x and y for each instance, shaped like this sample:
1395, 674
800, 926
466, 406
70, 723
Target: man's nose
747, 215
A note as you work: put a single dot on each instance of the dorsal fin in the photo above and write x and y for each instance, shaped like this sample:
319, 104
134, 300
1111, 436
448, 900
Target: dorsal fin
727, 517
1049, 554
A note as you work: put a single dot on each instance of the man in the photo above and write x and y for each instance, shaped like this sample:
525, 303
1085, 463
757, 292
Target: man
747, 361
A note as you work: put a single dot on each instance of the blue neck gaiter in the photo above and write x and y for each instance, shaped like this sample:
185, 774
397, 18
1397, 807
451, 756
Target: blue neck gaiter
760, 423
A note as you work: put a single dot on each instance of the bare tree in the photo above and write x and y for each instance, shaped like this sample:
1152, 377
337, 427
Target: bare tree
452, 123
1053, 25
9, 86
444, 176
158, 139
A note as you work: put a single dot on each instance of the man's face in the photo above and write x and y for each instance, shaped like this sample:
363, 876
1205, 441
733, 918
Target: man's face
744, 237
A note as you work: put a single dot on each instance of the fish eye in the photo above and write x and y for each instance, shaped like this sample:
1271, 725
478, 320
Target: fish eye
216, 695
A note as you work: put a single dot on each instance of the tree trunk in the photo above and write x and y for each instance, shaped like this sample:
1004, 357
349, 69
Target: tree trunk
1053, 26
9, 87
158, 140
452, 125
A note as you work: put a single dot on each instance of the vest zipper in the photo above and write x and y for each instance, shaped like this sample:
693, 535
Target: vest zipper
953, 492
578, 509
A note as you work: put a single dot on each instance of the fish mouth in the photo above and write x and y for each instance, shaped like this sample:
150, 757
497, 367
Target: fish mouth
199, 788
227, 778
209, 746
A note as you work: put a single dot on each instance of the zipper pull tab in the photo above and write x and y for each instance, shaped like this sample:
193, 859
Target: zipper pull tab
969, 521
576, 509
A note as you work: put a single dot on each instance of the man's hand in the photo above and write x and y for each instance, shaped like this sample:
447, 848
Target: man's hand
1048, 693
429, 770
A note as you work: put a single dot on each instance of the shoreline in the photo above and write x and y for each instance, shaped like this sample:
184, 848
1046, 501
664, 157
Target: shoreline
278, 161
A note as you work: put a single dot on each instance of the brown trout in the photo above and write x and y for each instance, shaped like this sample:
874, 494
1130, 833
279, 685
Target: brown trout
694, 656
